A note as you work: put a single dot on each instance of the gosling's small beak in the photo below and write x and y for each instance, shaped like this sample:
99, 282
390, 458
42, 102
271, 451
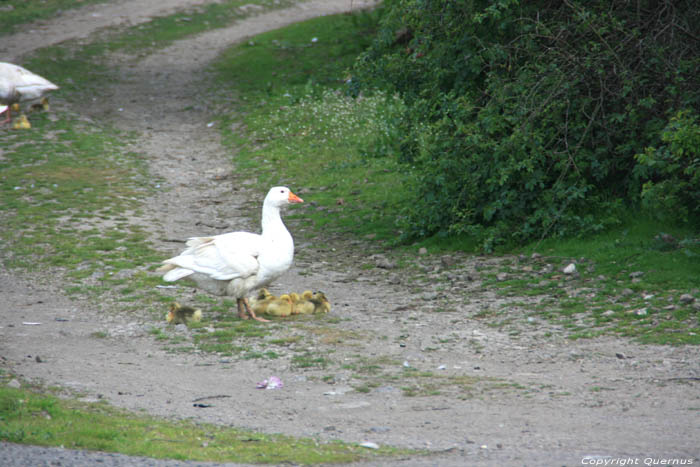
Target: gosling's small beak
294, 198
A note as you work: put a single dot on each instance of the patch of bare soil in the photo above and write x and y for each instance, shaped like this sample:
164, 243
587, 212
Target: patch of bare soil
415, 363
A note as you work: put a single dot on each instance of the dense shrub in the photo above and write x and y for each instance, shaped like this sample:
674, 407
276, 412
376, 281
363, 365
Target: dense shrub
673, 171
524, 118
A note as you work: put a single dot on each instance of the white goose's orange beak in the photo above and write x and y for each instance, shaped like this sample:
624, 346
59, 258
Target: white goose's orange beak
294, 198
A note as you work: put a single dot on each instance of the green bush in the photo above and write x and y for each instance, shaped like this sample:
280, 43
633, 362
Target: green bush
672, 171
523, 119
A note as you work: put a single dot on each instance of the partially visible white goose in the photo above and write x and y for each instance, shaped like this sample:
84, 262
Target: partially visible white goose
18, 84
236, 263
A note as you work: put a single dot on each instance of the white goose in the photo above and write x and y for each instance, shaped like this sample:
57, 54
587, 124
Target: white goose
18, 84
236, 263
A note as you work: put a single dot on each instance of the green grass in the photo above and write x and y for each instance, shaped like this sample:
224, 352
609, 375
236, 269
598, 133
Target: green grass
162, 31
635, 247
370, 373
65, 187
310, 360
303, 129
31, 417
629, 283
14, 13
67, 190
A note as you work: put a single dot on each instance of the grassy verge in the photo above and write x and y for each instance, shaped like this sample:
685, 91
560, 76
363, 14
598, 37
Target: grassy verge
14, 13
303, 127
69, 189
641, 281
32, 417
162, 31
629, 282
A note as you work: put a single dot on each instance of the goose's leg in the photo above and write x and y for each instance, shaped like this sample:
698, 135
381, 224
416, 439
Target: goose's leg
252, 313
241, 310
7, 111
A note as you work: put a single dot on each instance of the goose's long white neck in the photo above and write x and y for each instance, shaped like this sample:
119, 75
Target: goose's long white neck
278, 253
272, 221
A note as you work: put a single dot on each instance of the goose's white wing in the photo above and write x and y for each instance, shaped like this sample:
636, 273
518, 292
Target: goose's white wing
222, 257
29, 85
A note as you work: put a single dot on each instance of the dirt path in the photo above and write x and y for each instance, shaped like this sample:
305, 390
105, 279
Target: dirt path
80, 23
534, 401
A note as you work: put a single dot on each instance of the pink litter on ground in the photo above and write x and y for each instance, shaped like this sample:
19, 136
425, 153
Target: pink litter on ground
272, 383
